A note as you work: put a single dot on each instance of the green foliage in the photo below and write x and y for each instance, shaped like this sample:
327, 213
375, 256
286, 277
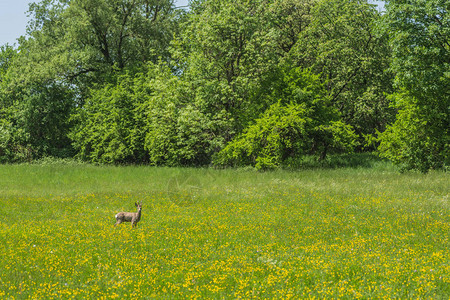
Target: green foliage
180, 131
282, 136
342, 43
304, 124
279, 133
416, 140
7, 55
36, 124
34, 119
109, 130
45, 117
72, 47
420, 34
249, 82
145, 118
12, 148
183, 135
83, 40
225, 50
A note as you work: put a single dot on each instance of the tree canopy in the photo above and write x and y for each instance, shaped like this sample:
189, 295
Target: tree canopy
228, 83
420, 41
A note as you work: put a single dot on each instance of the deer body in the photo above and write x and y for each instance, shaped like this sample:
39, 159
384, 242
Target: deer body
129, 217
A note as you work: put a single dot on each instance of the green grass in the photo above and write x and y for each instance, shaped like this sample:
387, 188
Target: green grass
364, 231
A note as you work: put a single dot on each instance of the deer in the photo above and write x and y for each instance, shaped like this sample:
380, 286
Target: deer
129, 217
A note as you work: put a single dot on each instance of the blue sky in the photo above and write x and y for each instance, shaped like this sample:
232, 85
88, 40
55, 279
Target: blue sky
13, 18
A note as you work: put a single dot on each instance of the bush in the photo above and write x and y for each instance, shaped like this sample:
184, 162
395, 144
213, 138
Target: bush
108, 129
300, 122
282, 135
419, 138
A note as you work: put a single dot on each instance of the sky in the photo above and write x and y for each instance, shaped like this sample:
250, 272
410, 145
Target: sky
13, 18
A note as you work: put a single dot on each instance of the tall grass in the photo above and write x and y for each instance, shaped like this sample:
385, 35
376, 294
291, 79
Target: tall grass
364, 231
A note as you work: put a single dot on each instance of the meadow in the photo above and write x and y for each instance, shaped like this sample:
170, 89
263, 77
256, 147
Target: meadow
349, 232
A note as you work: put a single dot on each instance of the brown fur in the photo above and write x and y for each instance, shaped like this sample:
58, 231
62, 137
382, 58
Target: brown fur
129, 217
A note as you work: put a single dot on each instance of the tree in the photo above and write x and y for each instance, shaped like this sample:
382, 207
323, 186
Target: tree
72, 47
420, 35
288, 19
259, 82
34, 122
234, 54
107, 129
301, 122
7, 134
146, 117
342, 43
7, 54
178, 131
224, 51
419, 137
34, 119
82, 41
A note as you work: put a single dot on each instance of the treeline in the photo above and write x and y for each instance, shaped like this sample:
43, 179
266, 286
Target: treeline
228, 82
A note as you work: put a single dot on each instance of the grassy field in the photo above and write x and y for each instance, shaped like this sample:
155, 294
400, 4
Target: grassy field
366, 232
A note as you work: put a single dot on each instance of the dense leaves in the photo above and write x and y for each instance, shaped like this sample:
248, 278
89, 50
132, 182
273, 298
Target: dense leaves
74, 48
227, 82
343, 45
301, 122
420, 39
419, 137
